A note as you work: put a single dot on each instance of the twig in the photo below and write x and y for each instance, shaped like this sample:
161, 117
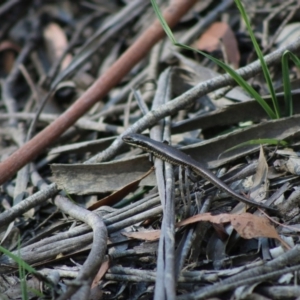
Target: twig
189, 97
96, 255
32, 201
271, 270
97, 91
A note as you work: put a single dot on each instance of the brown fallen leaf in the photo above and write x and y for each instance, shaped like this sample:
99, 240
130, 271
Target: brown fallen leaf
121, 193
8, 52
217, 33
247, 225
88, 179
103, 269
152, 235
56, 42
260, 187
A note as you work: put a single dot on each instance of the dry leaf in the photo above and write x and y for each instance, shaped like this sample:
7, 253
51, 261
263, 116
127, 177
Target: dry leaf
288, 34
56, 43
260, 179
8, 52
217, 33
247, 225
119, 194
152, 235
292, 165
103, 269
84, 179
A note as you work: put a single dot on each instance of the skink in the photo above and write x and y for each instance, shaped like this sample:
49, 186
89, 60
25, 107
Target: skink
176, 157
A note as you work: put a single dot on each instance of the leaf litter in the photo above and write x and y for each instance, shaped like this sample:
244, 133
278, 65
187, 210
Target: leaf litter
82, 210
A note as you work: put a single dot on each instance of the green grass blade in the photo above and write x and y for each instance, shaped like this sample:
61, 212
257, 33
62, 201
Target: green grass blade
23, 267
163, 22
286, 84
18, 260
22, 275
259, 142
240, 81
294, 58
24, 290
286, 80
261, 58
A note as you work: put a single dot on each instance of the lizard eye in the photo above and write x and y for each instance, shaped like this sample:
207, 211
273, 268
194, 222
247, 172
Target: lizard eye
126, 138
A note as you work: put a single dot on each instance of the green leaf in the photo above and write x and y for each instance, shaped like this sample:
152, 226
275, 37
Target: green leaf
23, 267
286, 84
286, 80
259, 142
240, 81
259, 53
163, 22
18, 260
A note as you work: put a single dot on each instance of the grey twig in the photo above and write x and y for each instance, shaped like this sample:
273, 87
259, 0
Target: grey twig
28, 203
189, 97
96, 255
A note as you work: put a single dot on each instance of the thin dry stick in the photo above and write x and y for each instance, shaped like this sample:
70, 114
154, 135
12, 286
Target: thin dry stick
97, 91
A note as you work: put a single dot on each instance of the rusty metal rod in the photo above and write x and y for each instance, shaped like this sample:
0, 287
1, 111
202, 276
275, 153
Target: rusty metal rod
98, 90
